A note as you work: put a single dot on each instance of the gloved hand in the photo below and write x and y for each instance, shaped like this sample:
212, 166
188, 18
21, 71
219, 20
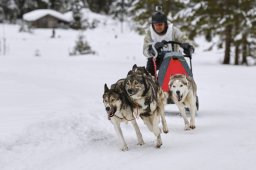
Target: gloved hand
191, 49
185, 46
159, 45
188, 49
165, 42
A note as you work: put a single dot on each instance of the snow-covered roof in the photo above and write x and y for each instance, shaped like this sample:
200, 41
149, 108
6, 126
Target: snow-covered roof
86, 14
39, 13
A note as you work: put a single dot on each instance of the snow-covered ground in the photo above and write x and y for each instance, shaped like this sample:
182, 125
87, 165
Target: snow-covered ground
52, 116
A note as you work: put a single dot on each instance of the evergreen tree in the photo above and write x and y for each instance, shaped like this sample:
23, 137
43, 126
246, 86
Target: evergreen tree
13, 8
76, 11
245, 23
100, 6
60, 5
9, 10
120, 9
230, 20
143, 9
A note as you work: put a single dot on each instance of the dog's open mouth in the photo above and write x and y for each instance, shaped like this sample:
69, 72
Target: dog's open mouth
111, 112
179, 97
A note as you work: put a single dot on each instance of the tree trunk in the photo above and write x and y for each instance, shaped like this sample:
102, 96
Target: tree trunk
237, 52
228, 31
244, 52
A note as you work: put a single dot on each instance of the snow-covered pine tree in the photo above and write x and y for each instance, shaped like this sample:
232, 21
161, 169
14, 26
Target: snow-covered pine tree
120, 9
58, 5
99, 6
1, 14
9, 10
142, 11
76, 11
12, 11
228, 20
245, 30
82, 46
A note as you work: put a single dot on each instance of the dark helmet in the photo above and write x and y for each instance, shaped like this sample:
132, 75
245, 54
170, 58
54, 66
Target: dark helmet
159, 17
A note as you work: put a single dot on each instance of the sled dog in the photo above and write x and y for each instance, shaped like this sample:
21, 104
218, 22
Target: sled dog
119, 109
183, 91
148, 101
140, 70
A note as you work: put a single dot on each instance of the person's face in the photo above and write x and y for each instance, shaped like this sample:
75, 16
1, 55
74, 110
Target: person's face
159, 27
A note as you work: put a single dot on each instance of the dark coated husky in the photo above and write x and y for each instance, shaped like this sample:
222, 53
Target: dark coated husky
119, 109
148, 100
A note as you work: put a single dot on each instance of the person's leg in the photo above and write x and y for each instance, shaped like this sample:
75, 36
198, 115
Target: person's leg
150, 66
159, 61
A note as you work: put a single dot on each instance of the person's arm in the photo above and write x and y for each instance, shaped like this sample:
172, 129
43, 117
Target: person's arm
147, 41
179, 36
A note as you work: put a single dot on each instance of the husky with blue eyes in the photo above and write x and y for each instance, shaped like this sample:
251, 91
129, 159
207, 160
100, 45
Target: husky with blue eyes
184, 94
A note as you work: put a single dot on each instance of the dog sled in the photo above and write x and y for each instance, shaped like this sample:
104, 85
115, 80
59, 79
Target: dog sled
173, 63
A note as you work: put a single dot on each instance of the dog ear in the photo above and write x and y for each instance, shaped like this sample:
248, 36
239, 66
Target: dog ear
171, 79
130, 72
106, 88
187, 79
170, 83
134, 66
145, 71
172, 76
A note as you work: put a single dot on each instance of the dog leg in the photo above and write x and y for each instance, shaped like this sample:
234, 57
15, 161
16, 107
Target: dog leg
193, 115
158, 141
164, 123
138, 133
147, 122
119, 133
183, 114
156, 129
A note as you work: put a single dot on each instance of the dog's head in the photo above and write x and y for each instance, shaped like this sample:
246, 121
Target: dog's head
135, 85
111, 100
141, 70
179, 86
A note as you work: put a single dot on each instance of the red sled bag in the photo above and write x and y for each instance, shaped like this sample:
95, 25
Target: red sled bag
173, 63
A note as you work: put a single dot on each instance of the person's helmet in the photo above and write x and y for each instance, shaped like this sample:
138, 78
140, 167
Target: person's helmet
158, 17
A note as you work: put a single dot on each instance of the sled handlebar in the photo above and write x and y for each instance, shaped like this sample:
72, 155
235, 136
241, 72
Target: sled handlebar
180, 44
172, 43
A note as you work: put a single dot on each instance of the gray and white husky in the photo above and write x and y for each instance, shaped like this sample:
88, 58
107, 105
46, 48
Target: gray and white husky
183, 92
119, 109
148, 101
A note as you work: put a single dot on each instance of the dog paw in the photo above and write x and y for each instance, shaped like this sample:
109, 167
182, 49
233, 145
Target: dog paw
124, 148
187, 127
141, 143
192, 126
158, 145
165, 130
